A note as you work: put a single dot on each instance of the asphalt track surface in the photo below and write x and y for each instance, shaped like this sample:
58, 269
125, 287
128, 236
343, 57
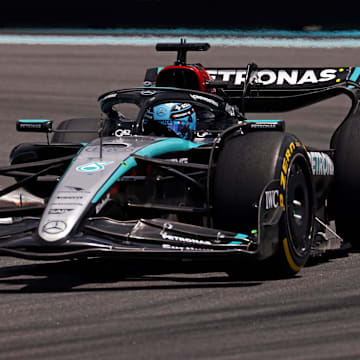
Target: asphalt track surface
77, 310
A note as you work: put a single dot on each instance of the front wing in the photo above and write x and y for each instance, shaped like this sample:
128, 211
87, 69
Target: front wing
104, 237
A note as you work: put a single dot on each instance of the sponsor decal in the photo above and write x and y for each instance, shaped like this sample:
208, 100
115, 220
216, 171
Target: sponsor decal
263, 124
203, 98
102, 203
183, 248
277, 76
272, 199
94, 166
75, 188
30, 126
321, 164
54, 227
69, 197
162, 111
202, 134
106, 148
182, 114
179, 160
67, 204
285, 164
34, 125
122, 132
167, 236
59, 211
284, 171
182, 106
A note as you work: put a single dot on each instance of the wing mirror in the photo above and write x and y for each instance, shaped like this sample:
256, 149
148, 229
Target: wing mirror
32, 125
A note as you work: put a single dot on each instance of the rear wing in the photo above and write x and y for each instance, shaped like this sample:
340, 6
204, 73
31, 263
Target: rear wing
277, 78
282, 89
286, 78
264, 89
277, 89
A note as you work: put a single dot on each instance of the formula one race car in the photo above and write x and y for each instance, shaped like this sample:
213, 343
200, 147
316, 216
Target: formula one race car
175, 171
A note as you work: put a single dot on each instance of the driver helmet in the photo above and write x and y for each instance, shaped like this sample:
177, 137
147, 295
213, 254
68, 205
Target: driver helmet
178, 117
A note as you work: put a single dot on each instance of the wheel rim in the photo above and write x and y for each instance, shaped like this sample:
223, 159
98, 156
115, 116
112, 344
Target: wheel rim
299, 208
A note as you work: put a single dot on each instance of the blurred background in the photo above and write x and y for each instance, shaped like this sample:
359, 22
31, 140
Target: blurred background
167, 13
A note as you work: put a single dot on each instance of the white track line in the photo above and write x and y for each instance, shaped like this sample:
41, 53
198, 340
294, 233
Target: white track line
150, 40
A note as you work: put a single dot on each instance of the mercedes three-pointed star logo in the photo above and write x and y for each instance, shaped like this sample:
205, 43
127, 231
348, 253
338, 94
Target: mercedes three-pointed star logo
162, 111
54, 227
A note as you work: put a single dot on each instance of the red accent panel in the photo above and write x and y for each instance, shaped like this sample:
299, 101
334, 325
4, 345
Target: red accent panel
184, 72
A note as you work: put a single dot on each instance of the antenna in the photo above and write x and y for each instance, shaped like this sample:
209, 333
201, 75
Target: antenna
182, 49
181, 53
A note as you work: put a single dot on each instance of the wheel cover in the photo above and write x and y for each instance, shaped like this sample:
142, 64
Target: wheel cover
299, 209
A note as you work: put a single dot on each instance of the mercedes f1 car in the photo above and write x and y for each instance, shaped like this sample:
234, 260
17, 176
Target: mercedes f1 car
174, 170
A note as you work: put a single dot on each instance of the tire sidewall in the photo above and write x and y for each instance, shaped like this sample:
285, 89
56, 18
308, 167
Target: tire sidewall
346, 179
294, 152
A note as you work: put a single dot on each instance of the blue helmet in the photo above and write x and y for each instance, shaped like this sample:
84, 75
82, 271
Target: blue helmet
178, 117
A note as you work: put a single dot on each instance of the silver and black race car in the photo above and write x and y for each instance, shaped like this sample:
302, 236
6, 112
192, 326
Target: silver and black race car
175, 171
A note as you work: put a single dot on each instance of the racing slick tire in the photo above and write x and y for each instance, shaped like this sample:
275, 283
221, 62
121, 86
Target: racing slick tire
347, 180
84, 124
245, 165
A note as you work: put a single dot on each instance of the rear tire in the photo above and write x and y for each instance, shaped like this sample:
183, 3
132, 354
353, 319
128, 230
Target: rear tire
245, 166
347, 180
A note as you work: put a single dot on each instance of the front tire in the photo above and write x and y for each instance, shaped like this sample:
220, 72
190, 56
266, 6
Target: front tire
245, 166
297, 225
